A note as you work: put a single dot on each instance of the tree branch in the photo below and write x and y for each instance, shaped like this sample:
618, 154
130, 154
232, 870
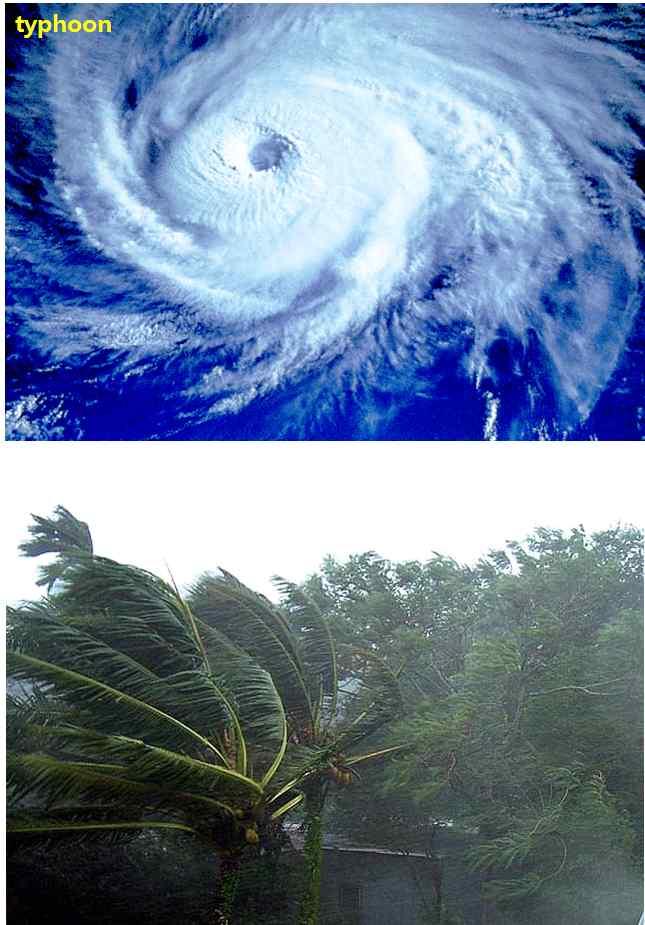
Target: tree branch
585, 690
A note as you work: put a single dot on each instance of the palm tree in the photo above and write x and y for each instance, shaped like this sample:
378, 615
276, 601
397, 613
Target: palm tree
134, 716
214, 715
326, 718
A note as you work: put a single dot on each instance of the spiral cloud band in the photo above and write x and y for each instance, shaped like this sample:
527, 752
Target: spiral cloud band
324, 221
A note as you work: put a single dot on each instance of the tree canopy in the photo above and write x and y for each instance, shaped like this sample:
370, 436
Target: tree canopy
523, 709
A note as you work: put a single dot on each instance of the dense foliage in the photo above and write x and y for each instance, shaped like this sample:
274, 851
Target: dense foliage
523, 681
141, 715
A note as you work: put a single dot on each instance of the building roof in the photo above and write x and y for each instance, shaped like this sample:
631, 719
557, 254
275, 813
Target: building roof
340, 843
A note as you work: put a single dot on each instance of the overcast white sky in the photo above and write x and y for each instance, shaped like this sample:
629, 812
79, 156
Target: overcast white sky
264, 508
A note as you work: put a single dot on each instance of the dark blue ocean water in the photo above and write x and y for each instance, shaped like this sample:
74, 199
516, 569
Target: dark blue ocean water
326, 223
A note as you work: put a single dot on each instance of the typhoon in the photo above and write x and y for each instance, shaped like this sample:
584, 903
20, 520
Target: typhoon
327, 222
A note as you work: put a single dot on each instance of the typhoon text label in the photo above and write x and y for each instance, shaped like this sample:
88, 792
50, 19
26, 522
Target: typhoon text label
27, 27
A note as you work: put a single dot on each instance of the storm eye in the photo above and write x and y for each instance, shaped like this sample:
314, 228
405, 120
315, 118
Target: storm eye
269, 152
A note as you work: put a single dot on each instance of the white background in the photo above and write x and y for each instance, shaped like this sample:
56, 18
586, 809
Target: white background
260, 509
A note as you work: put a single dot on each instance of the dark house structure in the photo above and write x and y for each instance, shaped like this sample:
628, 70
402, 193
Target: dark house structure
365, 885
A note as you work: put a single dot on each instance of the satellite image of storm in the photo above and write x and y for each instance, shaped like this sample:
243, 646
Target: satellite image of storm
325, 222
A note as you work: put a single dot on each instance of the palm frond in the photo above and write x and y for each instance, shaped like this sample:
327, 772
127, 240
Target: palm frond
27, 629
190, 619
46, 830
287, 807
143, 776
34, 828
112, 708
32, 777
149, 763
193, 698
28, 712
61, 534
109, 598
253, 624
319, 649
357, 759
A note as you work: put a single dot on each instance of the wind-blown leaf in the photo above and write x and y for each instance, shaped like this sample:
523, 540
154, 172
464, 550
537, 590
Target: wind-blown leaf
123, 707
30, 776
105, 597
256, 626
296, 801
319, 649
62, 534
357, 759
152, 771
194, 698
260, 711
47, 830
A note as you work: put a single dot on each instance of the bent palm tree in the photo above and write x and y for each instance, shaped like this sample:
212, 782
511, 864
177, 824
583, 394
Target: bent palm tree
136, 718
297, 648
214, 716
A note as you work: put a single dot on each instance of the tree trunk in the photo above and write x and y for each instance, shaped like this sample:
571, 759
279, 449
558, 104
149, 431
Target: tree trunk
487, 905
229, 871
310, 905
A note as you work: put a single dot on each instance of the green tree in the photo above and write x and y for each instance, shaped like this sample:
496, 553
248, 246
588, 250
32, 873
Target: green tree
537, 748
522, 682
